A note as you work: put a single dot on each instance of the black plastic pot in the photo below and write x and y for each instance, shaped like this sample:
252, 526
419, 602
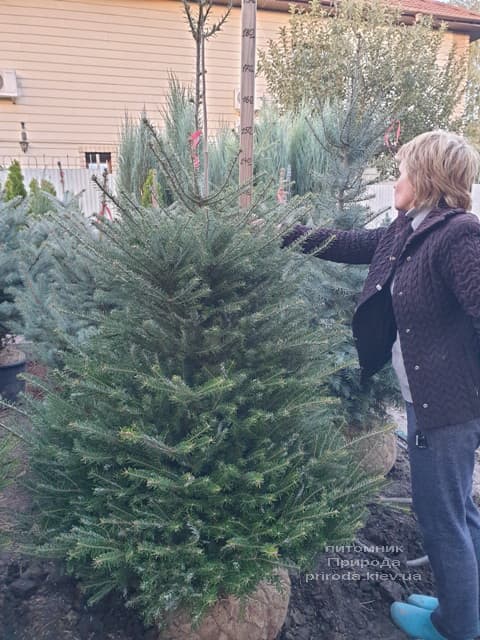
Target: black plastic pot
10, 387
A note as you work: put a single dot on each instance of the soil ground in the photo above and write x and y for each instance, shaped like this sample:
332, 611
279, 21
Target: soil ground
346, 596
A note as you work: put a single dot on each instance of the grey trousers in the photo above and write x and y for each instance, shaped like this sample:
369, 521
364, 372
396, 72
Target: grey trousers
449, 520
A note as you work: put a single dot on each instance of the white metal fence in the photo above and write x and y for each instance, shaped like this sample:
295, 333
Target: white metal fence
382, 198
76, 181
79, 181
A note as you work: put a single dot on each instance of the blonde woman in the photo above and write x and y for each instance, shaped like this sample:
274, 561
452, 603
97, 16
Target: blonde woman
420, 307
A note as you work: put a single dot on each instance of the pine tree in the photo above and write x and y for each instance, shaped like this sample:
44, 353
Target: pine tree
186, 448
14, 185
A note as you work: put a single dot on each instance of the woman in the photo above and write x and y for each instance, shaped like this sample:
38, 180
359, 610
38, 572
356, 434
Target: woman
420, 306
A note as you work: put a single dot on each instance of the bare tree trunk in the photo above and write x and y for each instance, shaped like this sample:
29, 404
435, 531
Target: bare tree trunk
200, 33
205, 118
198, 66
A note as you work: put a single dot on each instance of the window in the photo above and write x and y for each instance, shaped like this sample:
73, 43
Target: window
98, 160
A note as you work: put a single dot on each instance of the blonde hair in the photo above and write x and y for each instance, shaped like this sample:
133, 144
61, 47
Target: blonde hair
441, 166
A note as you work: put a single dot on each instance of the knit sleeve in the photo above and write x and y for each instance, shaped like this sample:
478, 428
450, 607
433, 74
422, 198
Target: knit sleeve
462, 267
355, 246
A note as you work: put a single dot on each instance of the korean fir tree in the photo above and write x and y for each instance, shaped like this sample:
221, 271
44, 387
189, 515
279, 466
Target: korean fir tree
186, 449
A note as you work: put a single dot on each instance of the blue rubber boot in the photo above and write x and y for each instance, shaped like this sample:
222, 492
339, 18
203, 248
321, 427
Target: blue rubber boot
425, 602
414, 621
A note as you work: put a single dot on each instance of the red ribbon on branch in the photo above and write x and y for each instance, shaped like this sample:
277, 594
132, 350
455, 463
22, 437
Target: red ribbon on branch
194, 139
391, 137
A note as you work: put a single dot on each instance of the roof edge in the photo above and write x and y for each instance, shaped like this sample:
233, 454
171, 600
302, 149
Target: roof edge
455, 24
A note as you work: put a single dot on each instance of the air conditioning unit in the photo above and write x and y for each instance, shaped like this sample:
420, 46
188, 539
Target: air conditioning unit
8, 84
237, 98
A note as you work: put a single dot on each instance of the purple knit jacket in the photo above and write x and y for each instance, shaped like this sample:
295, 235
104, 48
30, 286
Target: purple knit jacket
435, 305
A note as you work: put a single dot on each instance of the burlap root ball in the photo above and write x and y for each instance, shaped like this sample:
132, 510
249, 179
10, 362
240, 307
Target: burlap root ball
377, 452
265, 612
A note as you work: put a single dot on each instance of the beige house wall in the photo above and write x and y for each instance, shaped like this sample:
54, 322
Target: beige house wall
81, 64
461, 42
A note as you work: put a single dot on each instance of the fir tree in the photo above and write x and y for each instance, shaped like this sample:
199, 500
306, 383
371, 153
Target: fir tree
14, 185
186, 447
328, 151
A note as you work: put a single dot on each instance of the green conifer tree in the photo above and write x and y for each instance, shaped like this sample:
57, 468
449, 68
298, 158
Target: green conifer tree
12, 223
39, 201
14, 185
186, 448
59, 299
8, 471
281, 139
328, 151
135, 158
151, 194
350, 138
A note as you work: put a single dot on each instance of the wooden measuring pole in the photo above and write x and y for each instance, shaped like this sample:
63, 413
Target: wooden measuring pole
247, 95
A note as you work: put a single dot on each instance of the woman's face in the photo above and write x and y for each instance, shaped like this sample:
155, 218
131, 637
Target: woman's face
403, 190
